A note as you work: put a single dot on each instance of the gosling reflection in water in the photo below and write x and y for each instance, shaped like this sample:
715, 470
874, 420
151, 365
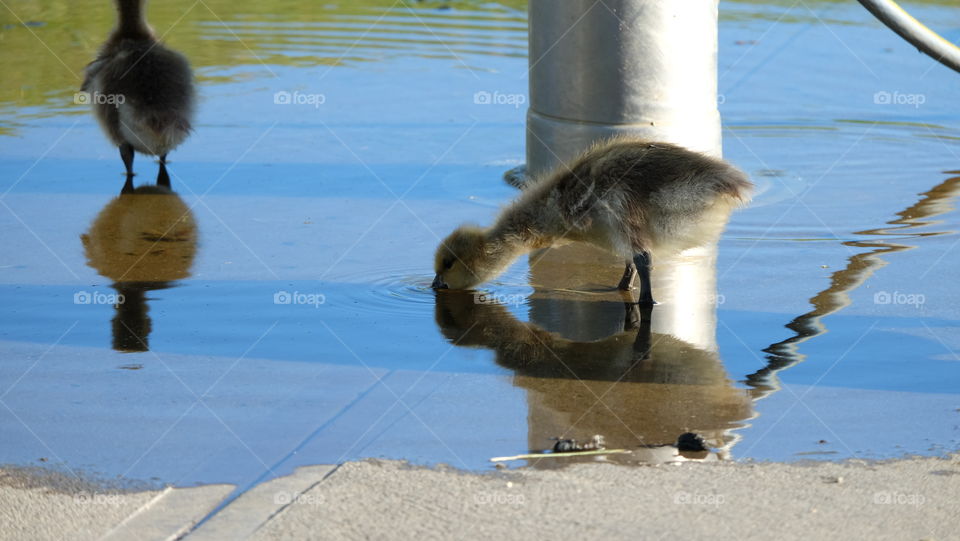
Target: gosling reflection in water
638, 389
142, 240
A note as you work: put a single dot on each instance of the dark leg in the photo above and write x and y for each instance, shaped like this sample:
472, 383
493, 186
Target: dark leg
628, 273
642, 261
163, 179
517, 177
632, 318
127, 186
126, 154
641, 345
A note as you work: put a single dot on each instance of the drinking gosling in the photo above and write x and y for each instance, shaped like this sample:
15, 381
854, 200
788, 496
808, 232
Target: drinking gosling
631, 197
141, 91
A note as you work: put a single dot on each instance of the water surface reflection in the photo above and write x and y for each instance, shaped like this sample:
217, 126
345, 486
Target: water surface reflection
640, 386
860, 267
143, 240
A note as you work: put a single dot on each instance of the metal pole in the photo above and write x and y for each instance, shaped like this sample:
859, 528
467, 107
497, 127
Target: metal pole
611, 67
603, 68
912, 30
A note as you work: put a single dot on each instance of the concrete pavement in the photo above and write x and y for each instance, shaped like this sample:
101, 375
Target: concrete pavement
908, 499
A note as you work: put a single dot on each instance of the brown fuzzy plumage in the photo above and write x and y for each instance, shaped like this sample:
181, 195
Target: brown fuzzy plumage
629, 196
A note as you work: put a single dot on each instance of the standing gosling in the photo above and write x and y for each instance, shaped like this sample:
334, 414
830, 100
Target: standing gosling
628, 196
142, 92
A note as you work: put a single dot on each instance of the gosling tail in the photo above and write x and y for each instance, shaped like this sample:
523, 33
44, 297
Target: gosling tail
735, 185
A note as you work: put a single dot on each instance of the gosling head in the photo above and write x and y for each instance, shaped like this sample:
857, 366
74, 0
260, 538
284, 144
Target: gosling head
463, 259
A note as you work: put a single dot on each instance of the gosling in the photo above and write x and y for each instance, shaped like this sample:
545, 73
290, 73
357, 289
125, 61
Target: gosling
141, 91
632, 197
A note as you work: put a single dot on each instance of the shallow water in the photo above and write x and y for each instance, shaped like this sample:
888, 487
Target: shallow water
286, 318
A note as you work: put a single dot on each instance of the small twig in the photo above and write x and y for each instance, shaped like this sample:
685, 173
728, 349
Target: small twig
560, 455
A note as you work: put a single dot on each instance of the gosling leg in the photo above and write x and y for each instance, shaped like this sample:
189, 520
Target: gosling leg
641, 344
628, 273
517, 177
642, 262
163, 179
126, 154
632, 318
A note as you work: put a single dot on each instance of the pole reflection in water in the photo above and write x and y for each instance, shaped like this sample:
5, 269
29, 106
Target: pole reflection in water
595, 364
143, 240
784, 354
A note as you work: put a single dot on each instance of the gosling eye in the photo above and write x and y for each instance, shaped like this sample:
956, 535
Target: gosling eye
447, 264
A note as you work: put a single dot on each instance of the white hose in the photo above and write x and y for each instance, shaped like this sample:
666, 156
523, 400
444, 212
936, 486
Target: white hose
912, 30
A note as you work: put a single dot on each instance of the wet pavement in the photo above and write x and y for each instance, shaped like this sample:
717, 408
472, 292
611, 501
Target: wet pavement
276, 309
